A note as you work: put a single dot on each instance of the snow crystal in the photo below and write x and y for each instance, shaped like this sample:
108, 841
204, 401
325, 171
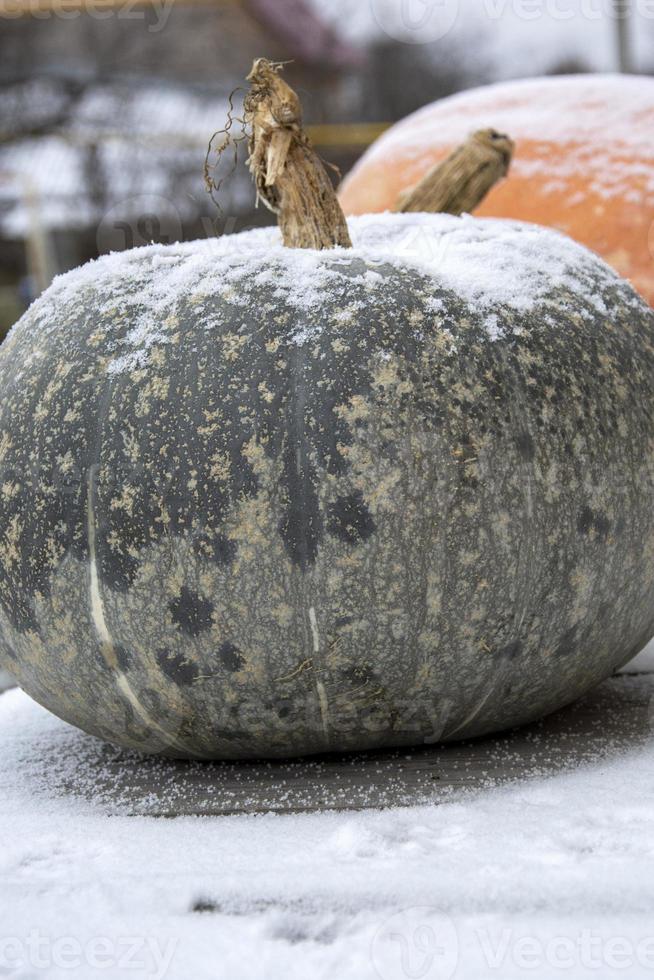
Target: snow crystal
492, 326
489, 263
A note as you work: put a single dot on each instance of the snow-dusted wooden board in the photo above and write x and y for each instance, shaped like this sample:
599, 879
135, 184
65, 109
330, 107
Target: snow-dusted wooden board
56, 760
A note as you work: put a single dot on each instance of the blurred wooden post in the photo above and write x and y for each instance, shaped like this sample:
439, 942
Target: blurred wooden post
622, 15
40, 258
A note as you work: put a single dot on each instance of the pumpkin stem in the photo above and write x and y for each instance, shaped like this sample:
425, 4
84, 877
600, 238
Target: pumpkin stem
459, 183
289, 176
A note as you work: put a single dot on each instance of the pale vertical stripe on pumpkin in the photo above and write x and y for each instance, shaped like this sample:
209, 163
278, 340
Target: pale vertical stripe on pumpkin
320, 687
324, 707
314, 630
107, 644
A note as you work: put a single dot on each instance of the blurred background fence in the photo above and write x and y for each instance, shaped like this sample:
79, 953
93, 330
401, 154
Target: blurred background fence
106, 106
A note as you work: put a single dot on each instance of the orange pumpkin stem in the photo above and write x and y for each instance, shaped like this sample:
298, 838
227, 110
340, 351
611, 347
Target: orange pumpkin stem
459, 183
288, 174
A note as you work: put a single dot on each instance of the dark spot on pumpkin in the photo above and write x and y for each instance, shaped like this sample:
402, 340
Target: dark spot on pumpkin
591, 522
230, 657
117, 571
360, 674
301, 525
525, 446
191, 612
176, 667
123, 657
510, 651
215, 547
301, 534
585, 520
349, 519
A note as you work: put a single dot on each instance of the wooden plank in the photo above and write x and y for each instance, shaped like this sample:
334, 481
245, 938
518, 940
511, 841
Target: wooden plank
341, 135
346, 134
614, 717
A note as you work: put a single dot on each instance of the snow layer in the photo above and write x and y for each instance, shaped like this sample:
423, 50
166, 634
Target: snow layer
489, 263
545, 878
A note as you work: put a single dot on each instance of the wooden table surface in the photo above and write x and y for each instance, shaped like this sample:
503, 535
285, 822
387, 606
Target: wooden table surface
615, 717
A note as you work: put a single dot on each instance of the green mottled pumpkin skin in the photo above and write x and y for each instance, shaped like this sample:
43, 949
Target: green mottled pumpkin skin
387, 529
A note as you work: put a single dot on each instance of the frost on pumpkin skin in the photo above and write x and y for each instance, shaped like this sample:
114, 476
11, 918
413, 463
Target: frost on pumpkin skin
345, 521
585, 163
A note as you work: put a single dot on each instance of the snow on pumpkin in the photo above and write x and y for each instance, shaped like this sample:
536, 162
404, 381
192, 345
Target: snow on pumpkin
584, 160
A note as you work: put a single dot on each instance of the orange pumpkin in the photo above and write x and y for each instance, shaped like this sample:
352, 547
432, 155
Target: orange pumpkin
584, 160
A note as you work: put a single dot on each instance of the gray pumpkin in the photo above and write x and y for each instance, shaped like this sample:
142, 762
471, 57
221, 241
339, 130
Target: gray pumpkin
259, 501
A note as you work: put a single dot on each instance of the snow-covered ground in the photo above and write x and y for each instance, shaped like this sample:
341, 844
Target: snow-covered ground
547, 877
